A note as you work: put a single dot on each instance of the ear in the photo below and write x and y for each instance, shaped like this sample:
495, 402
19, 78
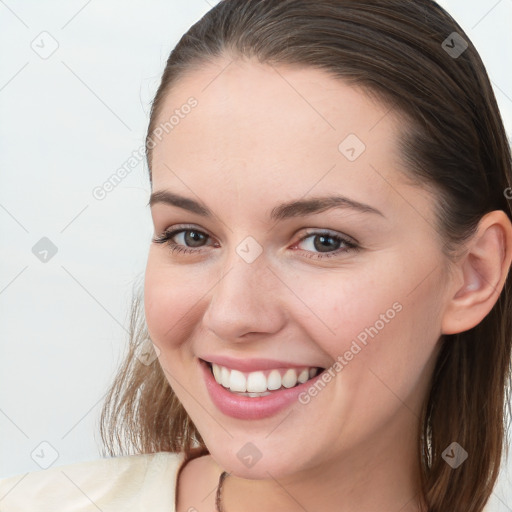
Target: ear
481, 274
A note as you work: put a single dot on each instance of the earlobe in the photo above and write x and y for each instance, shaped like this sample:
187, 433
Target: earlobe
484, 269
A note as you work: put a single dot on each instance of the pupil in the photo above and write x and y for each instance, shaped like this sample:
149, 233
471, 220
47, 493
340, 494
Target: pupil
194, 237
322, 238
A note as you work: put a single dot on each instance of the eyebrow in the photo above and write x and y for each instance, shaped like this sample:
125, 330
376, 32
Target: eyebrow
298, 208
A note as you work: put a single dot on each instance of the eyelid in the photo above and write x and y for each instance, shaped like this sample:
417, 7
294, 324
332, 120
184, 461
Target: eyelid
332, 232
175, 228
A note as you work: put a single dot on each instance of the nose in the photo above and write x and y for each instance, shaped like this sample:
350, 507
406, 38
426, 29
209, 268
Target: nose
246, 299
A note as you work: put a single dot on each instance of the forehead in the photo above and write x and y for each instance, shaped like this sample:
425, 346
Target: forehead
261, 98
261, 129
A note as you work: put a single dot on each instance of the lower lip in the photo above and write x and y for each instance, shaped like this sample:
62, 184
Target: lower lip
251, 408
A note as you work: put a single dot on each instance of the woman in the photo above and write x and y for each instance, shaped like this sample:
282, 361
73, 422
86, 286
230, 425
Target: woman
326, 314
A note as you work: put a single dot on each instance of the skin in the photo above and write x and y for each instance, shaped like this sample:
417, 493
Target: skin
258, 137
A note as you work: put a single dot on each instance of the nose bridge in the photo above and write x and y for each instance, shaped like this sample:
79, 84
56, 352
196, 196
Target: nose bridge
245, 297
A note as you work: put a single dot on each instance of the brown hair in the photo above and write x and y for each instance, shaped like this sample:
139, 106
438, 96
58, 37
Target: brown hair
455, 142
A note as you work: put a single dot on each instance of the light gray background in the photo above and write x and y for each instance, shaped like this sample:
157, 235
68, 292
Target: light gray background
68, 122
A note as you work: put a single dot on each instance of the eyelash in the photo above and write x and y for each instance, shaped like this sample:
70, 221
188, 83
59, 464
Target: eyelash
166, 238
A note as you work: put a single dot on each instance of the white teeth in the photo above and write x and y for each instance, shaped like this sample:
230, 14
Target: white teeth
254, 394
289, 378
274, 380
256, 384
217, 373
224, 372
237, 381
304, 376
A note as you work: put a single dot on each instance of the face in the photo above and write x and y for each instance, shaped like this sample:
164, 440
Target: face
356, 287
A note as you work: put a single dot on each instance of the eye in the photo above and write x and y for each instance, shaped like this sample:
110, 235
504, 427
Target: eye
192, 241
327, 244
188, 235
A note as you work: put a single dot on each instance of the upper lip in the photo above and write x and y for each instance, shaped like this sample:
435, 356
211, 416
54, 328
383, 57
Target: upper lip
254, 364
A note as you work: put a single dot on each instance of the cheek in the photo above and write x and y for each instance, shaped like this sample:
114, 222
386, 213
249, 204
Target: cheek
169, 299
384, 337
373, 318
343, 306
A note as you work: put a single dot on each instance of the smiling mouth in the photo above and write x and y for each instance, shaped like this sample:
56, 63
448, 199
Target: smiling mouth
262, 382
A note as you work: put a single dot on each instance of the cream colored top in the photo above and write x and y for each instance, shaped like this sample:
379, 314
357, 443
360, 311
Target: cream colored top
132, 483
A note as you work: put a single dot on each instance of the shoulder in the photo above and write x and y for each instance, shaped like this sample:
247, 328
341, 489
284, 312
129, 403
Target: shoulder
128, 483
